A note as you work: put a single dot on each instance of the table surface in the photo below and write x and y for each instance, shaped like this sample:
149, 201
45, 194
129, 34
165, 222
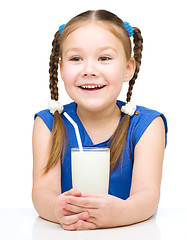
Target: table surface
24, 223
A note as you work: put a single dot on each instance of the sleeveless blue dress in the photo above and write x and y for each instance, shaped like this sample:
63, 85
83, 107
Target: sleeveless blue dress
120, 177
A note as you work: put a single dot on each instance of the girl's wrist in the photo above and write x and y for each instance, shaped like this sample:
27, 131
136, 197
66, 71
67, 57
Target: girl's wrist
55, 209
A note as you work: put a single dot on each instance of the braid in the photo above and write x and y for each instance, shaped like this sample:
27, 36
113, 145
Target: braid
58, 134
138, 47
120, 135
53, 67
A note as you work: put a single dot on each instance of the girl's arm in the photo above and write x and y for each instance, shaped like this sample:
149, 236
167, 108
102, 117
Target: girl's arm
46, 192
109, 211
147, 171
46, 188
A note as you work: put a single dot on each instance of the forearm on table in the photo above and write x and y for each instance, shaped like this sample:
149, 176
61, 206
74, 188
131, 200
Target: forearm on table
43, 200
139, 207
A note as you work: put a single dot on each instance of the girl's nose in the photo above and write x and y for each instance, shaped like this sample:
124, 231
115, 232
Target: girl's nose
89, 74
90, 69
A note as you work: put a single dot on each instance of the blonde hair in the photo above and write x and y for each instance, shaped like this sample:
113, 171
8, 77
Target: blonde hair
116, 26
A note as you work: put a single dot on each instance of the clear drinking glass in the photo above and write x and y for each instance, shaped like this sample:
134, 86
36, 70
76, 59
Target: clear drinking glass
90, 169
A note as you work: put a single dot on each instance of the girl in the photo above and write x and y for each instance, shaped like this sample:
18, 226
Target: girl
94, 54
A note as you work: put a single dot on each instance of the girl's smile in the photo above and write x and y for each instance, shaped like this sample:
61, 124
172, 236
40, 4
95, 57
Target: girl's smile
91, 87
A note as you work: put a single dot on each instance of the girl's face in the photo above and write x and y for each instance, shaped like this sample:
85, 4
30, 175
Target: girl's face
94, 67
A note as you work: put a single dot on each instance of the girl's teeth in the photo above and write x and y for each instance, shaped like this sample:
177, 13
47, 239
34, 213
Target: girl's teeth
91, 86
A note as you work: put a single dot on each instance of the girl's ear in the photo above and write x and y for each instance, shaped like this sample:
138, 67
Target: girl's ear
130, 69
61, 71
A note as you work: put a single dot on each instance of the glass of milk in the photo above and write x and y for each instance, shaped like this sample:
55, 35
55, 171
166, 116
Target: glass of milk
90, 169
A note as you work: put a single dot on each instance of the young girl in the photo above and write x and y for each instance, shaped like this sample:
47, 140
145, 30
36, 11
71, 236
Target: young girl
94, 54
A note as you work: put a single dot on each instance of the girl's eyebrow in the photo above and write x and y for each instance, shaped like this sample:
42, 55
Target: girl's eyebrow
72, 49
99, 49
107, 48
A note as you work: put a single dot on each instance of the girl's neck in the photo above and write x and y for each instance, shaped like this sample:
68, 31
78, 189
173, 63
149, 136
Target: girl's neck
98, 116
95, 123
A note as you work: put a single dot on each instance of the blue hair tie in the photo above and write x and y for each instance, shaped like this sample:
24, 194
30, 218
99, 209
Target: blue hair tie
61, 28
129, 28
126, 24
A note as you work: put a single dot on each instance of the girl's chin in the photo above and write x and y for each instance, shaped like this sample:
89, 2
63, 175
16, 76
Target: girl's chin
93, 106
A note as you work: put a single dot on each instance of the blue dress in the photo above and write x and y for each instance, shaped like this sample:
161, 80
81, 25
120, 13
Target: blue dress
120, 178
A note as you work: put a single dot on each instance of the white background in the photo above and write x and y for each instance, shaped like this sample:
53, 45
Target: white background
27, 29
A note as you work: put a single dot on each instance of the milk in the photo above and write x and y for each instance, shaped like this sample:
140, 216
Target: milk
90, 169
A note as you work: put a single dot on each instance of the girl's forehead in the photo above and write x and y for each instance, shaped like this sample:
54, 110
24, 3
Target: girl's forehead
91, 31
102, 25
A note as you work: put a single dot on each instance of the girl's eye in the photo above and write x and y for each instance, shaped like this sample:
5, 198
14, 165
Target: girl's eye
104, 58
76, 59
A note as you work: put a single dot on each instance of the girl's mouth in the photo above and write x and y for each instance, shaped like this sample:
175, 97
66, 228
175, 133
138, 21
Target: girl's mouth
91, 87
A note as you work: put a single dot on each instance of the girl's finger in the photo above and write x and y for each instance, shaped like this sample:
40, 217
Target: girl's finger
94, 195
73, 192
75, 209
83, 202
69, 227
85, 225
69, 220
66, 212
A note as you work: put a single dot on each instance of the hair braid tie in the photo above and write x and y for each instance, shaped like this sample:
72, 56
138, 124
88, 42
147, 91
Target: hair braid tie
54, 106
129, 108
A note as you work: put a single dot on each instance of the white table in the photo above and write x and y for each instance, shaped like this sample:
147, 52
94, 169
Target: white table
24, 224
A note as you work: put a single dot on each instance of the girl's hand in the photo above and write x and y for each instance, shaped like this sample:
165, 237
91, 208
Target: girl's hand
66, 218
104, 210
